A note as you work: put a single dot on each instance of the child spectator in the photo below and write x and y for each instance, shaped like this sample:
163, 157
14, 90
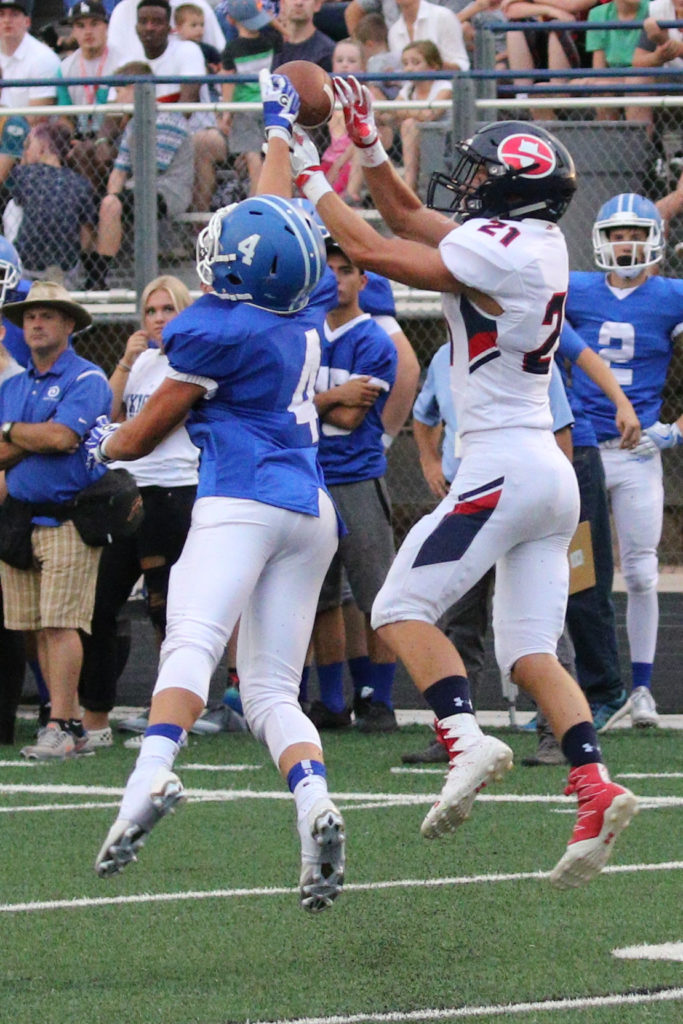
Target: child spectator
189, 23
614, 49
336, 160
237, 133
373, 35
54, 206
422, 55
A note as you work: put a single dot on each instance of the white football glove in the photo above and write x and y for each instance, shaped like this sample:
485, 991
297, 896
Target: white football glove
94, 441
664, 435
306, 170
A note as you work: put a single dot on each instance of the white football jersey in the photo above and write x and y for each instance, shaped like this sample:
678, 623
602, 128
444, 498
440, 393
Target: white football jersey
501, 364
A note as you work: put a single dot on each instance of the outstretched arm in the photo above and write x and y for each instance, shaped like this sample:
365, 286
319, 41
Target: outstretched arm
401, 209
626, 419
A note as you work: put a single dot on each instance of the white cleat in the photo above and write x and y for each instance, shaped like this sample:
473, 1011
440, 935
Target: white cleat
643, 708
475, 760
605, 809
322, 856
126, 838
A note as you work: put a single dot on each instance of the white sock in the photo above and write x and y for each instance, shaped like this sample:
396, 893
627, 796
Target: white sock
156, 752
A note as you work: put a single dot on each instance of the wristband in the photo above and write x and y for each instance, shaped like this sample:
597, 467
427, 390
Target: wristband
278, 132
6, 430
123, 366
374, 155
314, 186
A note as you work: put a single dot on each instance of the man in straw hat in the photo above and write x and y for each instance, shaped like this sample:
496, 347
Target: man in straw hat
44, 414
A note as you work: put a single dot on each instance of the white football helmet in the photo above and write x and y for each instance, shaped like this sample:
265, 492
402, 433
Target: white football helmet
628, 210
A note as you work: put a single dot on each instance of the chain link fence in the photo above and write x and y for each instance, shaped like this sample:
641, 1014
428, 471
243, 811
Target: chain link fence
53, 208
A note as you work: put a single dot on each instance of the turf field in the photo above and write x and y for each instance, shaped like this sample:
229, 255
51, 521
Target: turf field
206, 928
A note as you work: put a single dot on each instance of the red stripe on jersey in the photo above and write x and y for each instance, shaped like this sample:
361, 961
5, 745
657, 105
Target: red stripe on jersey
481, 342
468, 508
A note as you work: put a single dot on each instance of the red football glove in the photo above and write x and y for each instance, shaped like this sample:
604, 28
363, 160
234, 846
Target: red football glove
356, 103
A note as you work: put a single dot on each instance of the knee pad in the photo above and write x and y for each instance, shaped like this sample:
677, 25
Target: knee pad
276, 719
641, 573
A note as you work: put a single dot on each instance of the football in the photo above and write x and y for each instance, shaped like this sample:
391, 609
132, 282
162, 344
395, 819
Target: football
316, 93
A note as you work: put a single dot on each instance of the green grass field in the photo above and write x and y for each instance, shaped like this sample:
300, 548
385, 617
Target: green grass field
207, 929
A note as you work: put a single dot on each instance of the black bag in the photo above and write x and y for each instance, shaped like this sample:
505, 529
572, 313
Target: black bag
15, 533
108, 510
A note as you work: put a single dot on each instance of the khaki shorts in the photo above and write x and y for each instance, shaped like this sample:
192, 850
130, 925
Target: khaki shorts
59, 592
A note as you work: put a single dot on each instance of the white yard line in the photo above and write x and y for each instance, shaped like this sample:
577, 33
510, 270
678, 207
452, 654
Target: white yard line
404, 883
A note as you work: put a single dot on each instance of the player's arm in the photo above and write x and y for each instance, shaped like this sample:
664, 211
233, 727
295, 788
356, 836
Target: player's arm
599, 372
401, 210
428, 440
402, 395
164, 411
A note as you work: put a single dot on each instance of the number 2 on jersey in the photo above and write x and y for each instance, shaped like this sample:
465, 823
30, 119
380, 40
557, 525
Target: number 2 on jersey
538, 361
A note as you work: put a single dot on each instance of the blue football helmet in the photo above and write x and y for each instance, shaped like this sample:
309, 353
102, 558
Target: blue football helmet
628, 210
307, 207
10, 268
264, 251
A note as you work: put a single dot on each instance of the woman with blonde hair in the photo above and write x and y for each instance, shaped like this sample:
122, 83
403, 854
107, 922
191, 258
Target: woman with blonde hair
421, 55
167, 479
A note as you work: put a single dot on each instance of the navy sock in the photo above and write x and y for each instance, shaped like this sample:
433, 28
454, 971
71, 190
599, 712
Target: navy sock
383, 682
642, 674
450, 696
580, 745
361, 673
331, 678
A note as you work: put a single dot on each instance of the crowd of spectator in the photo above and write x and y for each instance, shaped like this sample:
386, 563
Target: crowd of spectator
68, 183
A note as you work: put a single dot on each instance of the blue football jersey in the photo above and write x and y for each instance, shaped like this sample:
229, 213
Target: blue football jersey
377, 298
634, 334
14, 336
258, 429
358, 348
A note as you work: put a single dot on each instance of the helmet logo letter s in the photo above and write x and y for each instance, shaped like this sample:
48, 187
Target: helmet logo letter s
532, 156
247, 248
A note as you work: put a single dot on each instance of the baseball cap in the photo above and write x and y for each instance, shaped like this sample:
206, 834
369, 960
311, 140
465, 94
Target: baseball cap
249, 13
13, 134
86, 9
19, 5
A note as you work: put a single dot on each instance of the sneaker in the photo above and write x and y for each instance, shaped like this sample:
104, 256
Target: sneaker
125, 838
53, 744
379, 717
604, 810
529, 726
232, 699
219, 718
95, 739
361, 703
548, 752
138, 723
474, 761
435, 753
643, 708
323, 718
607, 714
322, 856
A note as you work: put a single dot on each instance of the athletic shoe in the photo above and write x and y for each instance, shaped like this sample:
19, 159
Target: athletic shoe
604, 810
126, 838
361, 703
379, 717
138, 723
435, 753
323, 718
607, 714
232, 698
548, 752
219, 718
322, 856
529, 726
474, 761
53, 744
643, 708
95, 739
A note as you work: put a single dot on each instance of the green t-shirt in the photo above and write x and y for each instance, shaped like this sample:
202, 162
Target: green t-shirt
618, 44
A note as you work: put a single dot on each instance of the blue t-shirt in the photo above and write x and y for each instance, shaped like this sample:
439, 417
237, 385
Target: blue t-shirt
377, 298
56, 202
633, 331
258, 429
358, 348
73, 392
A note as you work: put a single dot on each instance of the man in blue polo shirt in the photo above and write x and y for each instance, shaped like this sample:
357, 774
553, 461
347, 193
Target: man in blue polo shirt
45, 412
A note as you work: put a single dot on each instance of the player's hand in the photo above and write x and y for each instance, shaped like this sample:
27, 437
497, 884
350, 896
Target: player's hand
304, 156
628, 424
356, 104
664, 435
433, 474
280, 103
93, 441
357, 391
